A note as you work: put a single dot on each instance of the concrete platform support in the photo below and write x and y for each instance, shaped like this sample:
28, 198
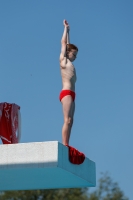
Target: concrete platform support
42, 165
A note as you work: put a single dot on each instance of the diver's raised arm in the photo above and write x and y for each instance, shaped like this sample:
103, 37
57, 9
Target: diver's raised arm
64, 40
65, 36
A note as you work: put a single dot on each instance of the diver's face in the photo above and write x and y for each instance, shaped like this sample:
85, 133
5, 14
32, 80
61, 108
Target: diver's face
72, 55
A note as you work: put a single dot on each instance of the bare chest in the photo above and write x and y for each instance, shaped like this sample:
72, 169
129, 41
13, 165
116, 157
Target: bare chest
69, 72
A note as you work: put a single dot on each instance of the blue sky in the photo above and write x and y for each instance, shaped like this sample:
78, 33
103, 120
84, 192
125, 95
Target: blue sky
30, 37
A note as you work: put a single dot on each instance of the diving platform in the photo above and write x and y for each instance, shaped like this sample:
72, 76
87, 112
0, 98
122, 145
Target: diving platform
42, 165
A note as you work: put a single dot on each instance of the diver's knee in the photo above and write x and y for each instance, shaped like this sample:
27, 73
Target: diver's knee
68, 121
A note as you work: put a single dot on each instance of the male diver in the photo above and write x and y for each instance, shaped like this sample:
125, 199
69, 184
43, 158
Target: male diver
68, 73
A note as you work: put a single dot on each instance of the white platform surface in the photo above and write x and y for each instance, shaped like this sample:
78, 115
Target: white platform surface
42, 165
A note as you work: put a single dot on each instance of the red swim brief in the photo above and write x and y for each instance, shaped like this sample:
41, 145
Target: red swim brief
65, 93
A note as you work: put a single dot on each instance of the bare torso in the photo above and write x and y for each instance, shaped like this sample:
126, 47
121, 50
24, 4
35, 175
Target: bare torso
68, 74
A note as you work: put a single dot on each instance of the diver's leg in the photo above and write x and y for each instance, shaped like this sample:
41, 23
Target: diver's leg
67, 105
